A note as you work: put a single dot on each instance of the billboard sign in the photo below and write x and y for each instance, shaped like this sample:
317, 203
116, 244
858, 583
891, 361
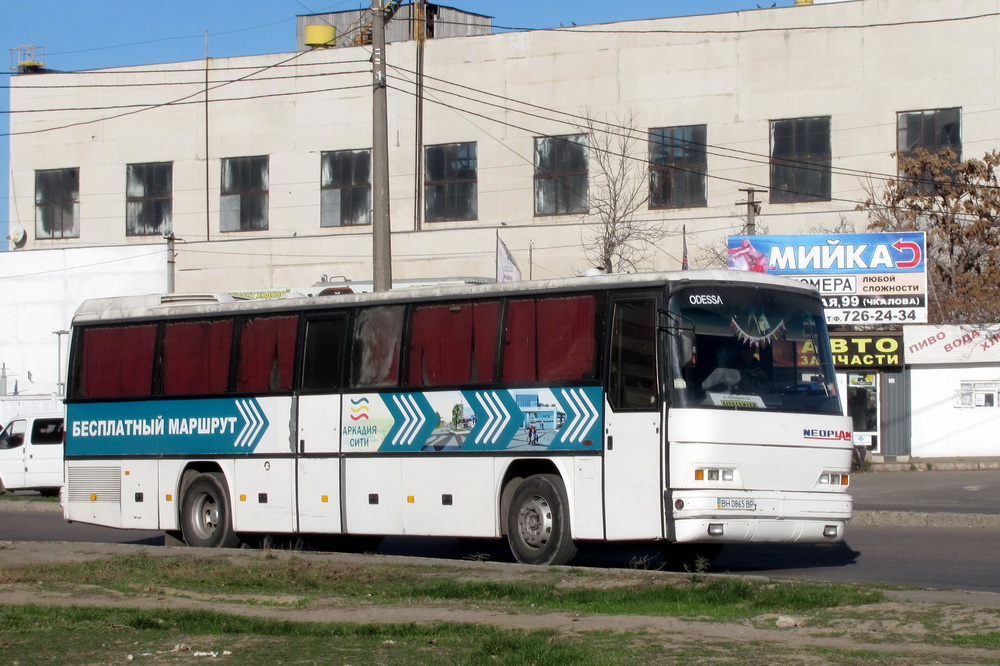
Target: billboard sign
874, 278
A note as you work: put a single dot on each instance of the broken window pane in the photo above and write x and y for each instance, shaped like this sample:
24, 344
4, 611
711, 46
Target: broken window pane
800, 160
148, 202
450, 185
561, 175
244, 193
346, 192
678, 166
57, 203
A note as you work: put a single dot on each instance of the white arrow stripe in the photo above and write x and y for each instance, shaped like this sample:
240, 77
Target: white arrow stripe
594, 414
491, 417
258, 422
246, 425
505, 419
581, 416
569, 426
417, 416
404, 412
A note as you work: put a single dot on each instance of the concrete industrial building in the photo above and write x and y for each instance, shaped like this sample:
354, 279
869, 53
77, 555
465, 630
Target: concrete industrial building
260, 165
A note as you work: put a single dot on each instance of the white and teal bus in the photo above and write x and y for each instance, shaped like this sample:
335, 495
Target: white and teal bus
678, 408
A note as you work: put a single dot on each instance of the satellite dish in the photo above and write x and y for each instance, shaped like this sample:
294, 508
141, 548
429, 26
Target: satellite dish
18, 236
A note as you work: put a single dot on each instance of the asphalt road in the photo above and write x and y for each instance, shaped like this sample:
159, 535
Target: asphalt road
941, 556
931, 492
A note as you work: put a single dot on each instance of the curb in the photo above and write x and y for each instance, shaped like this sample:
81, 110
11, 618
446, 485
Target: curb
907, 464
918, 519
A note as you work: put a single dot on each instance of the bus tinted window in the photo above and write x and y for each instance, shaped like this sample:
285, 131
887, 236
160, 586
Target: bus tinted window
323, 354
378, 332
745, 349
453, 344
117, 362
196, 357
550, 339
632, 379
267, 354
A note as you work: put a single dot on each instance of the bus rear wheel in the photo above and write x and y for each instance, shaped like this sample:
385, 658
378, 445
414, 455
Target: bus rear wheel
538, 522
206, 514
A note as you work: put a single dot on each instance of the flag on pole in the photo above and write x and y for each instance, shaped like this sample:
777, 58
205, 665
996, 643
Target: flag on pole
507, 269
684, 256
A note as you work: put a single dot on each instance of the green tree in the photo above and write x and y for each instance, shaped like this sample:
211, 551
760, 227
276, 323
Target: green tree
957, 204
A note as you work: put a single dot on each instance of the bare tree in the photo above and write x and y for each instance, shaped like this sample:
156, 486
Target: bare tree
619, 241
957, 204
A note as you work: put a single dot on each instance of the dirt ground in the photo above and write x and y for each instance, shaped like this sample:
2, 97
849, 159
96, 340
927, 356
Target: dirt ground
896, 628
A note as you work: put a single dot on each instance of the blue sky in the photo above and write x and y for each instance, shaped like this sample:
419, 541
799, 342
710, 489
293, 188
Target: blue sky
80, 35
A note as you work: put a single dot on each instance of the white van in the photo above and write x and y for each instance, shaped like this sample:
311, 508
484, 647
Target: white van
31, 454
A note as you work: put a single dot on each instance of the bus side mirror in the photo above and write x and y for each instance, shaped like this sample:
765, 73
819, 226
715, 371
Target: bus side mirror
686, 348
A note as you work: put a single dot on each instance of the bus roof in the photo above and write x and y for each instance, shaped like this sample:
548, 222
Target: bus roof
152, 306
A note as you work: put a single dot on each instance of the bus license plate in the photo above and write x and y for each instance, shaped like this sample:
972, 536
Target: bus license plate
737, 504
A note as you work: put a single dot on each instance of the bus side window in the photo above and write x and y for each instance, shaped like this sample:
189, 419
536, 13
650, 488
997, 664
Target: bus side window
115, 362
632, 380
378, 335
267, 353
551, 339
453, 344
322, 360
196, 357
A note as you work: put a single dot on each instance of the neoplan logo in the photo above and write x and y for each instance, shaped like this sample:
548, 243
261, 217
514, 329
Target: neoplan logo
831, 435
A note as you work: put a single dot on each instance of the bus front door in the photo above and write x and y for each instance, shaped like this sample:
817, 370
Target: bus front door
633, 451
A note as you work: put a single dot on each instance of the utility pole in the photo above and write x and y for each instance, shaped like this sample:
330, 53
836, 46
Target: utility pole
171, 260
753, 210
381, 237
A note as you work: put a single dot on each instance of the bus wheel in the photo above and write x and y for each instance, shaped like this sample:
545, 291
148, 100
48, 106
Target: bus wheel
538, 522
206, 516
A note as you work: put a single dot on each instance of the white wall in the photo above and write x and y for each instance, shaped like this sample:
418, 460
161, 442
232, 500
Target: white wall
942, 429
41, 290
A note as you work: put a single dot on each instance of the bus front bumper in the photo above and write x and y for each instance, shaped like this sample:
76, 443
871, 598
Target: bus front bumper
724, 516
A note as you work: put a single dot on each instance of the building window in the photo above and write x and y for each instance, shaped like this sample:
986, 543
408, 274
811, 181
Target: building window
978, 393
561, 176
148, 198
451, 189
346, 188
244, 193
57, 203
800, 160
677, 167
934, 131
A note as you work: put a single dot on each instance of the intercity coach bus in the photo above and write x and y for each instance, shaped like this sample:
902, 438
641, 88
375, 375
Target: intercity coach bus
677, 408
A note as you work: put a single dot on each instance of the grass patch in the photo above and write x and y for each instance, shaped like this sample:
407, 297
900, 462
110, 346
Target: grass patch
987, 640
250, 579
37, 635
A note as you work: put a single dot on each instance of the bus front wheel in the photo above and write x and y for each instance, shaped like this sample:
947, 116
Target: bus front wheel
538, 522
206, 515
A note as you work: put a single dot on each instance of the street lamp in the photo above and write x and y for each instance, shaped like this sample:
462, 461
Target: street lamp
59, 383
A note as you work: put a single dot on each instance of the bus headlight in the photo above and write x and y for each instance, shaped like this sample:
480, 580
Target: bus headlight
834, 479
725, 474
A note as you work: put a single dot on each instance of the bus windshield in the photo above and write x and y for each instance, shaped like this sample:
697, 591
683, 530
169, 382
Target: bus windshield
743, 348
